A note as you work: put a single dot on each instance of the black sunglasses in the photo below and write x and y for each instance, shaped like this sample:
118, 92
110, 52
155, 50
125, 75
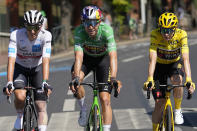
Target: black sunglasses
167, 30
32, 27
93, 23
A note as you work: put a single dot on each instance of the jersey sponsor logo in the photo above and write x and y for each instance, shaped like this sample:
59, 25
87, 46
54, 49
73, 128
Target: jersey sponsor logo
95, 49
11, 50
48, 50
36, 48
48, 41
168, 54
12, 41
175, 42
26, 55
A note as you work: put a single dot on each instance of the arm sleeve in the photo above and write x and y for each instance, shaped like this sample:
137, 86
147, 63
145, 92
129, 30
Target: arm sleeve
184, 43
47, 46
78, 40
111, 44
12, 47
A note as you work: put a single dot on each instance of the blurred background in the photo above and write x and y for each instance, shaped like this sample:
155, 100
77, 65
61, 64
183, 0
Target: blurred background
130, 19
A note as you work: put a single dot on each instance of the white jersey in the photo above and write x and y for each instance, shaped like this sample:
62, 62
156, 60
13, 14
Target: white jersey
29, 53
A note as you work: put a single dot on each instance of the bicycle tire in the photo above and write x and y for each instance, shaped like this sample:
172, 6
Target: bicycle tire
95, 123
168, 119
27, 119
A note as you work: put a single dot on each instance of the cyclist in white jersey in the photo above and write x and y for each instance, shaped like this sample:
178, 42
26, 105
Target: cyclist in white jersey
29, 55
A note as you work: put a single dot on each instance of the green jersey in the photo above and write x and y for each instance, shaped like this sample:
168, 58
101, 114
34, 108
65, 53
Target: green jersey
100, 45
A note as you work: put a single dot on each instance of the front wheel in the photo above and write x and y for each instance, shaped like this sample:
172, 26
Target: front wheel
94, 122
168, 119
27, 119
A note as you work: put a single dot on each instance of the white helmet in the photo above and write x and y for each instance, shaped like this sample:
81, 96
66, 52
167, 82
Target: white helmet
33, 17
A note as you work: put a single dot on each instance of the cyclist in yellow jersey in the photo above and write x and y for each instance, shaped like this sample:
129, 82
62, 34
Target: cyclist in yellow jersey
168, 58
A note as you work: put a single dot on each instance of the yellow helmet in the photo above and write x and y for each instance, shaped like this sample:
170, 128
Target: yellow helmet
168, 20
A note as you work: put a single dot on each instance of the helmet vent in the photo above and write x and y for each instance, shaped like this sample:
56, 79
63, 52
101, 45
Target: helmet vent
164, 20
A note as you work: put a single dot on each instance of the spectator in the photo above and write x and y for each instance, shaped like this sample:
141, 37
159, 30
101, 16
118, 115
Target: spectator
107, 18
133, 25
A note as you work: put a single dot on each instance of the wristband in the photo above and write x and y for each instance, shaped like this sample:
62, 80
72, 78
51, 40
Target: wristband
150, 78
188, 79
112, 78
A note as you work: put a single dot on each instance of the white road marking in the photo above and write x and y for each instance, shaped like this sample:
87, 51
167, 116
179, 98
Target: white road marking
69, 105
132, 58
7, 123
69, 92
65, 121
132, 119
88, 75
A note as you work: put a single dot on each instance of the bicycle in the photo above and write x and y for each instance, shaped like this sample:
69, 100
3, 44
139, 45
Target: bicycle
95, 117
30, 116
167, 121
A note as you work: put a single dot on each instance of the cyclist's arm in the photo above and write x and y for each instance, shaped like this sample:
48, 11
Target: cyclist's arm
45, 65
78, 62
152, 63
12, 51
113, 63
186, 63
46, 56
10, 68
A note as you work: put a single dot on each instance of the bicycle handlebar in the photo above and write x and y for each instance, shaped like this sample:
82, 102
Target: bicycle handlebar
93, 84
46, 87
170, 87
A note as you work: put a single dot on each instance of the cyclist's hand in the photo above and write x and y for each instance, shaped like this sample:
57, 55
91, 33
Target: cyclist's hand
9, 88
119, 86
192, 87
149, 83
47, 88
75, 84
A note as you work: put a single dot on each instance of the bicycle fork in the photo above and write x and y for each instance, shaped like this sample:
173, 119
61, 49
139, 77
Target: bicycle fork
168, 103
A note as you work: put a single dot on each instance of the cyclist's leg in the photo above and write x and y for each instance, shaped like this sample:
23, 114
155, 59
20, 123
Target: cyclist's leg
81, 93
20, 81
157, 113
176, 77
159, 74
39, 97
102, 72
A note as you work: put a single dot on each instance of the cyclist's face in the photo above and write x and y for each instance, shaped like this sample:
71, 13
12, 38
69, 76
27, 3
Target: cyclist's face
167, 33
91, 27
32, 31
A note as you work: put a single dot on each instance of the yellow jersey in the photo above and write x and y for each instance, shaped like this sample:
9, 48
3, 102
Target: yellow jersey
169, 51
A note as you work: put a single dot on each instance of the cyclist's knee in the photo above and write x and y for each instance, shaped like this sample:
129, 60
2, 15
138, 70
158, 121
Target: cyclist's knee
105, 100
176, 79
20, 95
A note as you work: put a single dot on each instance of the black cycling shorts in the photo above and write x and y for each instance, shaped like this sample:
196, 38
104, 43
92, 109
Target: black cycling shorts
23, 75
102, 67
165, 71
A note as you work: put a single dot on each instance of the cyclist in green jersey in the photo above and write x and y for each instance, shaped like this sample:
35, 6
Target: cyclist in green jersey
95, 48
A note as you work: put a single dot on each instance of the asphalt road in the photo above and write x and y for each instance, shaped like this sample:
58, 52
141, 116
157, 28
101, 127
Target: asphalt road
131, 111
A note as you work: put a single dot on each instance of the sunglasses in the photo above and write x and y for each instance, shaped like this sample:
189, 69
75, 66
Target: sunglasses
93, 23
30, 27
167, 30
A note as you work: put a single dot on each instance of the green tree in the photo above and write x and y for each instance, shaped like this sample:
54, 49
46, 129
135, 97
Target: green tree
121, 7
